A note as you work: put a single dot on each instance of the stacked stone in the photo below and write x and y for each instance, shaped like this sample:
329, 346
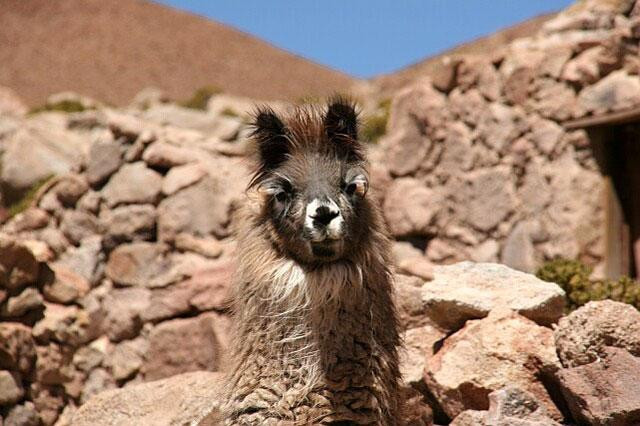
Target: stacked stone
118, 271
477, 162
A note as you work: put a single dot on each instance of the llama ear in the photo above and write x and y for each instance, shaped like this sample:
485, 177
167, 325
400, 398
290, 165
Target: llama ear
270, 133
341, 119
341, 125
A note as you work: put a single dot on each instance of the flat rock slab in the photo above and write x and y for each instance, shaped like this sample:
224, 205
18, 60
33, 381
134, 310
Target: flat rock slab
605, 392
468, 290
179, 400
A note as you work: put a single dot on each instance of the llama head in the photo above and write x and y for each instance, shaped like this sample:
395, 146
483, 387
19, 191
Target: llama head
313, 181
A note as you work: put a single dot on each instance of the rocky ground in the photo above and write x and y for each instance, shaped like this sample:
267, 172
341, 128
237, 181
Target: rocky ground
115, 269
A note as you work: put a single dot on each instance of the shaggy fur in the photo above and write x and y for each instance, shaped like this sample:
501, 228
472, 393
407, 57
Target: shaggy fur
317, 333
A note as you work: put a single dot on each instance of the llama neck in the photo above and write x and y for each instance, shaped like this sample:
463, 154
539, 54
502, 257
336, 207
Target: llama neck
313, 338
307, 320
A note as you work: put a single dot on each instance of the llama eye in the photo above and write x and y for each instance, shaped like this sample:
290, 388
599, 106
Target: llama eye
357, 187
281, 196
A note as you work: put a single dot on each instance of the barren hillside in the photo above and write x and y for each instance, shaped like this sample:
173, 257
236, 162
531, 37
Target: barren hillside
111, 49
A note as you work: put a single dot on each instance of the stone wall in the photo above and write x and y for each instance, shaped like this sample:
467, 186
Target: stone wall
477, 162
118, 271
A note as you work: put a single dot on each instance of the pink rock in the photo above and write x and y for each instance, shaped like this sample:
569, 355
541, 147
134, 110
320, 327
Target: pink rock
66, 287
182, 345
604, 392
488, 354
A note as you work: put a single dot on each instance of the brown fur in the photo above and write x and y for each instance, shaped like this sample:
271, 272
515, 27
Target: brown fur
316, 338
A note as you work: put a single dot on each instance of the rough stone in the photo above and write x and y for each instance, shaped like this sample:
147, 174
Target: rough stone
487, 197
42, 148
98, 381
163, 154
77, 225
410, 208
23, 415
105, 158
179, 400
545, 134
28, 220
411, 310
488, 354
519, 251
582, 336
140, 264
182, 176
123, 318
67, 286
10, 388
615, 92
28, 300
130, 223
126, 358
18, 265
183, 345
62, 324
417, 266
604, 392
207, 247
468, 290
554, 100
17, 348
53, 364
201, 209
133, 183
419, 346
87, 260
92, 355
509, 406
517, 86
498, 126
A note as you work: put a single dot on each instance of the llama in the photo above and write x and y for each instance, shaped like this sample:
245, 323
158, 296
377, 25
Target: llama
317, 333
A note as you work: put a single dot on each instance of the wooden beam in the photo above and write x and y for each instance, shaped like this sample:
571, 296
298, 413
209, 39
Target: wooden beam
618, 117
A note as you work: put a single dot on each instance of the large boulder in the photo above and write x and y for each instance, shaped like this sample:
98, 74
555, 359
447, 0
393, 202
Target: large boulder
606, 391
488, 354
582, 336
176, 401
467, 290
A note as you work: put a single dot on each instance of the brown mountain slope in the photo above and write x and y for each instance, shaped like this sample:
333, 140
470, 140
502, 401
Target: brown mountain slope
111, 49
487, 45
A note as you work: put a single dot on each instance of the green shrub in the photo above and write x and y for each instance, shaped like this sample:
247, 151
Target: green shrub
375, 126
573, 277
308, 100
200, 98
229, 112
63, 106
25, 202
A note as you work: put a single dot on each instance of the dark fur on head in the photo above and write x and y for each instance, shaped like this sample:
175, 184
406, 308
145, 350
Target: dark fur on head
312, 153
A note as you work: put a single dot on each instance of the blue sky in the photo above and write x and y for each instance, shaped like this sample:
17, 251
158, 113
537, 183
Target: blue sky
368, 37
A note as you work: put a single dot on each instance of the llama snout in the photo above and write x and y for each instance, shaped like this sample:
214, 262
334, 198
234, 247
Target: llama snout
323, 220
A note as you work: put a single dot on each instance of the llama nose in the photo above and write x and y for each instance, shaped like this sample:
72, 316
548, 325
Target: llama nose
324, 215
